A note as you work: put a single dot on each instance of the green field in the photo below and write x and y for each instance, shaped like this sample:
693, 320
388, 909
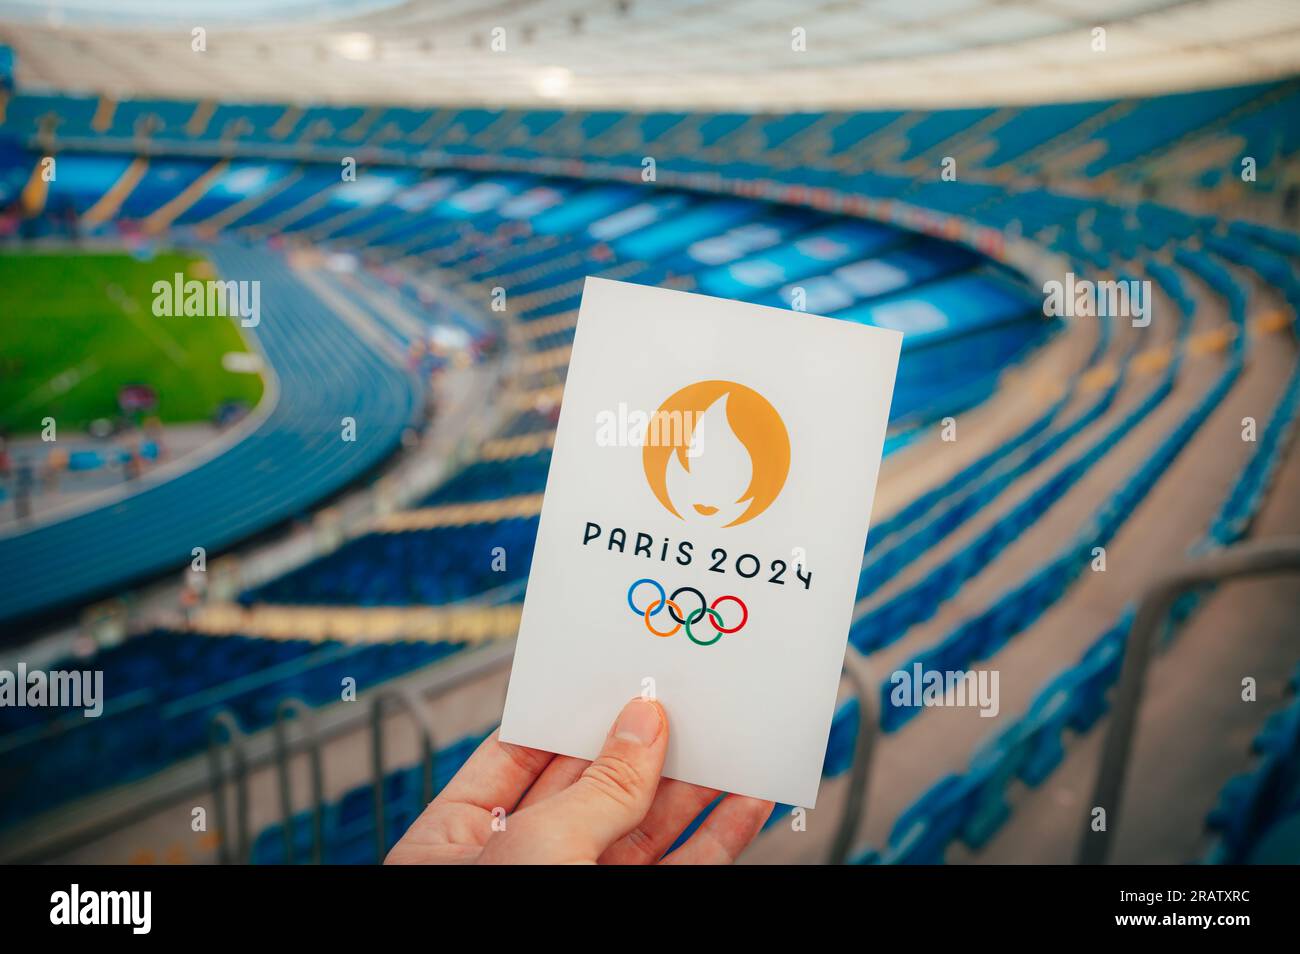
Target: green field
76, 327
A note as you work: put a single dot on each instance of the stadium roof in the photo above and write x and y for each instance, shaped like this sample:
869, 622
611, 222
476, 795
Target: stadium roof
673, 54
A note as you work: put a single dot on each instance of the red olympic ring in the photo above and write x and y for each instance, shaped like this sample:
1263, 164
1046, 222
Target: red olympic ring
743, 609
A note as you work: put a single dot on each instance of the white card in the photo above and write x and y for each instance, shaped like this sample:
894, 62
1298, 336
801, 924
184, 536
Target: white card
731, 449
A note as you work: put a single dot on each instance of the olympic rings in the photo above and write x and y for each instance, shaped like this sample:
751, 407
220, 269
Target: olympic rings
705, 610
686, 589
695, 617
658, 604
743, 609
656, 608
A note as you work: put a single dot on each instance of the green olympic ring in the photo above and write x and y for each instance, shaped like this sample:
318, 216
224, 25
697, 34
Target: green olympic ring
694, 617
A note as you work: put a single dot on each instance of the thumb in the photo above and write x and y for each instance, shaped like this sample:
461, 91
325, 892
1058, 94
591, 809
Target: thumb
614, 793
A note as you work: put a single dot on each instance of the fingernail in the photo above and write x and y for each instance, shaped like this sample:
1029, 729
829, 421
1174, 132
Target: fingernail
639, 722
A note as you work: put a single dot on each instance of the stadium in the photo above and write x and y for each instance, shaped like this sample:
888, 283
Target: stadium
289, 294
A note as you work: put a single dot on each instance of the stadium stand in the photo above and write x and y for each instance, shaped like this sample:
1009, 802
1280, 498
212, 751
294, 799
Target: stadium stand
239, 491
1256, 815
165, 687
1071, 430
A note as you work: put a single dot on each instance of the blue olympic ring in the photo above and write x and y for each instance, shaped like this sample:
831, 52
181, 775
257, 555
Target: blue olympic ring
663, 597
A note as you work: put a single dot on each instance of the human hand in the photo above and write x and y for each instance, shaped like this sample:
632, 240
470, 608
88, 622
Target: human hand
564, 810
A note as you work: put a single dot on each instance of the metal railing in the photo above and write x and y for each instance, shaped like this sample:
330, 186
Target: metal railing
286, 711
1259, 557
412, 703
856, 671
224, 722
853, 815
412, 707
70, 828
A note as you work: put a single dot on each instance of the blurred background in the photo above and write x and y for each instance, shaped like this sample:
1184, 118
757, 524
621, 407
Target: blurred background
294, 535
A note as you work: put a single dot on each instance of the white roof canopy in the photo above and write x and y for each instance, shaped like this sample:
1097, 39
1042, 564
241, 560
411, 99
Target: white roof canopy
652, 54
